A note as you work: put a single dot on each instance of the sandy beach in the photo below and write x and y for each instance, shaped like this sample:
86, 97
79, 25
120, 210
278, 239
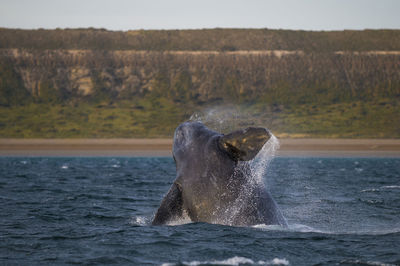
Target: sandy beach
162, 147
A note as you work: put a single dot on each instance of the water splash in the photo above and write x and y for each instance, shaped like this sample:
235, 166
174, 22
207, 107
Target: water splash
234, 261
224, 119
255, 171
392, 187
261, 162
184, 219
302, 228
139, 221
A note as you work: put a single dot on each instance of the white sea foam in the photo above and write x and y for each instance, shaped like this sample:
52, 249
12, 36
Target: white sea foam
183, 220
301, 228
139, 220
270, 227
371, 190
381, 188
145, 220
234, 261
291, 228
391, 187
64, 167
307, 229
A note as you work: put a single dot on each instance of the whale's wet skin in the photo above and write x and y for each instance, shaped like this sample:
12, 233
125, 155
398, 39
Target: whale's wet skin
340, 211
215, 182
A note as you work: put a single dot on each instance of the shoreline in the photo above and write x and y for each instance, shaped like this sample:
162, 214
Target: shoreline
162, 147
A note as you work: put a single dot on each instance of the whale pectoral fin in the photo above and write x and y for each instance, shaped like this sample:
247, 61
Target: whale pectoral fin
243, 145
171, 206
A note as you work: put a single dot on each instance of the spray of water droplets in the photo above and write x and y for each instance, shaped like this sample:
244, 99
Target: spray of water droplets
228, 119
225, 120
255, 171
261, 162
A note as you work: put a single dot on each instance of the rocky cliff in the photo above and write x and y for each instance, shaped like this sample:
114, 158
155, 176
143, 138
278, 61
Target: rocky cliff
283, 77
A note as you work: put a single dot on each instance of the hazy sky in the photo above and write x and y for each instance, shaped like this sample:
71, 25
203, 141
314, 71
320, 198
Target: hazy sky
186, 14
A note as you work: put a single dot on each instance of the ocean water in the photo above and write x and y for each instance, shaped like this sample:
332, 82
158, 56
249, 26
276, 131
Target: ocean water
341, 211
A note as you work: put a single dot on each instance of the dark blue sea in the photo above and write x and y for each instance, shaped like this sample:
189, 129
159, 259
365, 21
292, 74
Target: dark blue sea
341, 211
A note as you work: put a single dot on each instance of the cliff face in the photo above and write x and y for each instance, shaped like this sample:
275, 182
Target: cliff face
274, 76
76, 73
98, 83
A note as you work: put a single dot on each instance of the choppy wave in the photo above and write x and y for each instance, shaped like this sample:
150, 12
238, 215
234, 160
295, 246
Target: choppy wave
301, 228
94, 213
391, 187
368, 263
381, 188
234, 261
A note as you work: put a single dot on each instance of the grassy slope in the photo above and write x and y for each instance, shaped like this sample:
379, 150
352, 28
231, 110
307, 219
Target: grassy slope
87, 120
158, 118
348, 120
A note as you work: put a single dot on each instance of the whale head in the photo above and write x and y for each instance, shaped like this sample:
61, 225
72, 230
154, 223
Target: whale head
194, 139
211, 186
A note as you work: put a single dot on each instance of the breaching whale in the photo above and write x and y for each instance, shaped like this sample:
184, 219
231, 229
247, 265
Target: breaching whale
212, 182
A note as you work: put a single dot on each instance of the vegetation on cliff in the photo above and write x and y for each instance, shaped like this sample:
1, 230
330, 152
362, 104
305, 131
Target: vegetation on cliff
201, 40
90, 83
